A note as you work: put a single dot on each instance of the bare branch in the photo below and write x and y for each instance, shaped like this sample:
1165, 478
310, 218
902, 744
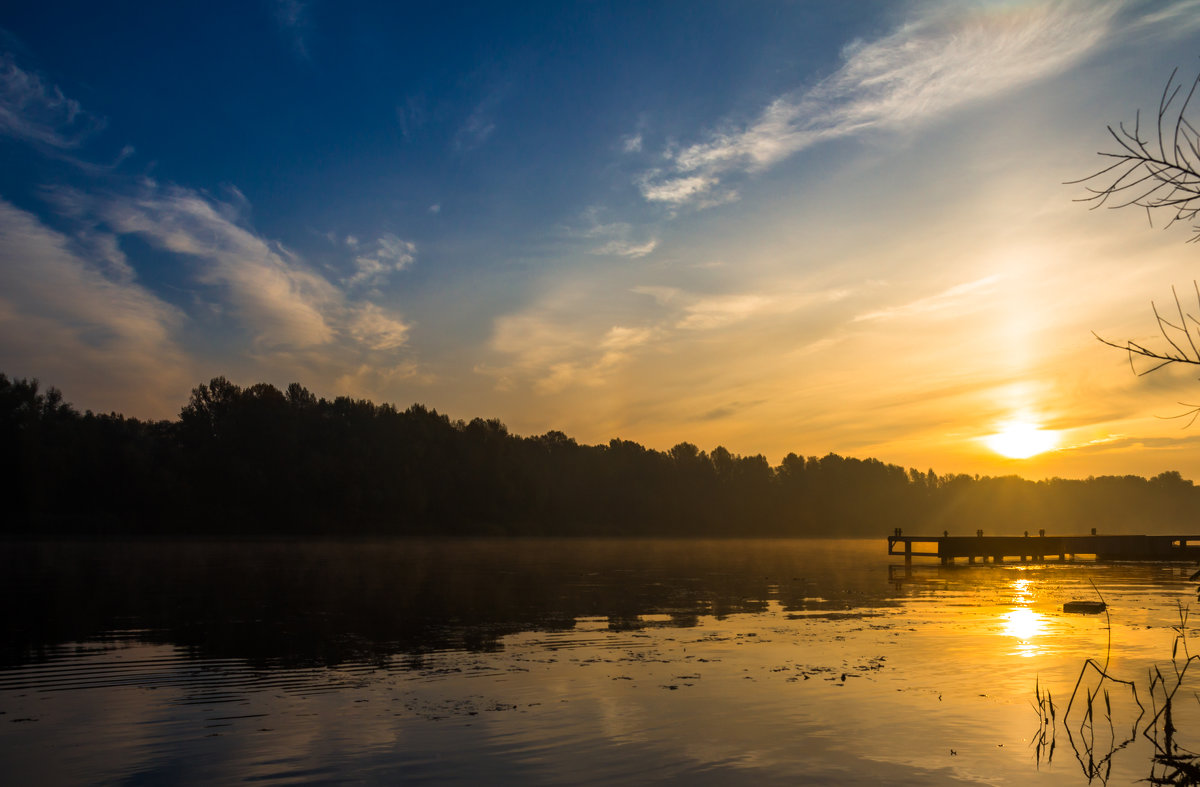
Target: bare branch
1159, 174
1193, 411
1179, 337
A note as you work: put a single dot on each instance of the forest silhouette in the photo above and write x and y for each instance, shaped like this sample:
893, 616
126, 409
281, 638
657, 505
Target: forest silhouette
257, 461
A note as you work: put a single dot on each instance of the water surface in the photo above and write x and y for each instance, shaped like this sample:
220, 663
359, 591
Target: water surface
565, 661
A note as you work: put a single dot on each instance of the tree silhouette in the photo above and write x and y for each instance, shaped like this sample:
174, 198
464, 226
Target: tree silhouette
1159, 172
1158, 169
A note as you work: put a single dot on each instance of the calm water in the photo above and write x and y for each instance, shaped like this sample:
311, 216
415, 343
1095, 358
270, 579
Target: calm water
565, 662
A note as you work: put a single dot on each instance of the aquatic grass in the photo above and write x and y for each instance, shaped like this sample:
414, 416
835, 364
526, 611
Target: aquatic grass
1171, 763
1087, 753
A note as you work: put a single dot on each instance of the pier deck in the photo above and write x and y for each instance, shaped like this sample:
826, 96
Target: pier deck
1040, 548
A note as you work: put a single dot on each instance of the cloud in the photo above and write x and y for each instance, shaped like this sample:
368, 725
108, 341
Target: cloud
375, 328
626, 248
550, 352
291, 321
719, 311
661, 295
939, 302
480, 124
551, 347
926, 67
283, 302
292, 17
65, 319
411, 115
289, 310
390, 255
33, 111
675, 190
701, 313
379, 381
617, 239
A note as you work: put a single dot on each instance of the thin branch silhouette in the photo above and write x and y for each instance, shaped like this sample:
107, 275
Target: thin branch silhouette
1159, 171
1178, 335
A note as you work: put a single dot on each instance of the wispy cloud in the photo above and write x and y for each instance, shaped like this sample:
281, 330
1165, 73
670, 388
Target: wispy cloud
293, 19
65, 316
943, 301
33, 111
618, 238
549, 354
411, 115
928, 66
390, 255
283, 302
481, 122
377, 329
549, 349
288, 309
692, 312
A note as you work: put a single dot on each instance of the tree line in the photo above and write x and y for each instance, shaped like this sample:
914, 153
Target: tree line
261, 461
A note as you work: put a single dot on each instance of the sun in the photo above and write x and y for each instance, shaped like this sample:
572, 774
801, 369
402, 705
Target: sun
1021, 440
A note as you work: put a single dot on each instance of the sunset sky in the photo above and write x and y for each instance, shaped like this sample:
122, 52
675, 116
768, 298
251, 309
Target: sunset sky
774, 226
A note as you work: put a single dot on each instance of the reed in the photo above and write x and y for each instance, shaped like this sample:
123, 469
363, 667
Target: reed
1092, 695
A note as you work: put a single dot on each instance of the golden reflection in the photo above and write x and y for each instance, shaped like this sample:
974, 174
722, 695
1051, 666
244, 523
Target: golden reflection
1024, 625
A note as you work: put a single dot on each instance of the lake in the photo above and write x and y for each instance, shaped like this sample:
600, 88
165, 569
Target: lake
539, 661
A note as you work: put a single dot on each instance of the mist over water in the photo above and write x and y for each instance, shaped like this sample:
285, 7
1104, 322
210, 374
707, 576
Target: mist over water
560, 661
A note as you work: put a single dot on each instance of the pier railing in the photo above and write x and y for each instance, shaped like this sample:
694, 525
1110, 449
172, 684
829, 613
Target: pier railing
1041, 548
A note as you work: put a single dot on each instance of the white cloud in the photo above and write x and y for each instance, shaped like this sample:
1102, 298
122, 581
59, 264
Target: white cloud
32, 111
390, 255
480, 124
292, 322
68, 321
283, 302
377, 329
626, 248
944, 301
294, 315
925, 68
618, 238
675, 190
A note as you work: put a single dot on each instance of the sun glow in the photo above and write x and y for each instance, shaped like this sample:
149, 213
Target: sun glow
1021, 440
1025, 626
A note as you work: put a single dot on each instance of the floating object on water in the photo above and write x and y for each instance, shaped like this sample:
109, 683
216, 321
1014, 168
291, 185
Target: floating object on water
1085, 607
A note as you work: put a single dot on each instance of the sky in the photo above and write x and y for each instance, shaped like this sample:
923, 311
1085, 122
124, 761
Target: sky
778, 227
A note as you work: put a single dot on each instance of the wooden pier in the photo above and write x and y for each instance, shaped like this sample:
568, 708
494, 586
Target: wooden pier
1042, 548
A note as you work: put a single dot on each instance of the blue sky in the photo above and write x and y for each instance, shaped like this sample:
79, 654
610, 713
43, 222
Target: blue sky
776, 226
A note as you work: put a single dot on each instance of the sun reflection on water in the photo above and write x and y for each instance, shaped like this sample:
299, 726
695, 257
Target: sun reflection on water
1025, 626
1021, 622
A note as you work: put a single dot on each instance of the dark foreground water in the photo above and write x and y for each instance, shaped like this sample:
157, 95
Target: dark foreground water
568, 662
